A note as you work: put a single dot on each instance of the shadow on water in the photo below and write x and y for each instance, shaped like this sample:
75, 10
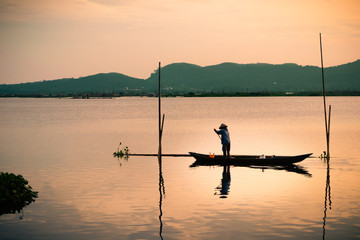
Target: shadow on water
15, 194
161, 193
327, 201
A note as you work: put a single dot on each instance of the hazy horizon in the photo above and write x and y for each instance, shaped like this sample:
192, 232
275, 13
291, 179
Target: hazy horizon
46, 40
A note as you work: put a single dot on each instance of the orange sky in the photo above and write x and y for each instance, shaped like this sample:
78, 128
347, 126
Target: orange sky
51, 39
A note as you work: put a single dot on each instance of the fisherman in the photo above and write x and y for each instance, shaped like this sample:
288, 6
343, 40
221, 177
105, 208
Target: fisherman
225, 139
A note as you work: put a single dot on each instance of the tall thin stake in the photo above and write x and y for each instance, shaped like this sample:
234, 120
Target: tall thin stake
159, 95
326, 121
161, 179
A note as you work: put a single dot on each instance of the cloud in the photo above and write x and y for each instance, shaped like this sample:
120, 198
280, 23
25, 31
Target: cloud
44, 10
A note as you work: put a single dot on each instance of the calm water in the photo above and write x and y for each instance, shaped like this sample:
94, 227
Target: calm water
64, 147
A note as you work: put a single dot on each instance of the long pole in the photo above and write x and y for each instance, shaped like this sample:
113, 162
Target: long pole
328, 135
159, 95
324, 96
161, 179
323, 85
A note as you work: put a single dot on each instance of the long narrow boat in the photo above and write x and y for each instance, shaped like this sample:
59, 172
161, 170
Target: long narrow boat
239, 160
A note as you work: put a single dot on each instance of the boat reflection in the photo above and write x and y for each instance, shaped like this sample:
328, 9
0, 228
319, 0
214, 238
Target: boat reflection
289, 168
327, 197
224, 187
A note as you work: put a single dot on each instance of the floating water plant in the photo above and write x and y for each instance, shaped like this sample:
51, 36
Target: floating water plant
122, 153
324, 155
15, 193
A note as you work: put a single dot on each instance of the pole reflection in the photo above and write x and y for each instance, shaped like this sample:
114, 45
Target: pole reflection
161, 193
327, 197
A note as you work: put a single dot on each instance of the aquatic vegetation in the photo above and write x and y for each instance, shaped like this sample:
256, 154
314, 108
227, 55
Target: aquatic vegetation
122, 153
15, 193
323, 155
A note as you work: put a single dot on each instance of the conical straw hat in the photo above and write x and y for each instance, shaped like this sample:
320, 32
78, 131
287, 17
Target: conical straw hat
223, 126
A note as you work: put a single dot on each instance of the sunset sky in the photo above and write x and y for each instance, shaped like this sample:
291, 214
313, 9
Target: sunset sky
52, 39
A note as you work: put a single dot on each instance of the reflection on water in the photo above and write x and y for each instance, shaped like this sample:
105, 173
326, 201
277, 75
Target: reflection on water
224, 188
289, 168
327, 196
161, 193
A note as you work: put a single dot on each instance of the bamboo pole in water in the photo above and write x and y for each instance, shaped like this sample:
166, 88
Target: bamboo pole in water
327, 128
161, 179
328, 135
159, 96
323, 84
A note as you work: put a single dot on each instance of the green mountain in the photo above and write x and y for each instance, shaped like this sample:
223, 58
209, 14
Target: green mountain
231, 77
102, 83
182, 78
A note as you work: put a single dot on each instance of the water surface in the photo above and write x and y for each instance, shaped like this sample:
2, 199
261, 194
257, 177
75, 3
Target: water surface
64, 147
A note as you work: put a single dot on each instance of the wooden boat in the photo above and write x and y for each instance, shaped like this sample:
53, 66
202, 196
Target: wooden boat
242, 160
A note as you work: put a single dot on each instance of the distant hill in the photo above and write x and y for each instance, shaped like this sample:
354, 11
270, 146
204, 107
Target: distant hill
231, 77
182, 78
102, 83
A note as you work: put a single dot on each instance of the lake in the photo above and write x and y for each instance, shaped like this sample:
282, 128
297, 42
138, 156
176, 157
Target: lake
64, 148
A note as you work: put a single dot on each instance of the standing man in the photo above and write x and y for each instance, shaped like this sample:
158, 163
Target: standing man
225, 139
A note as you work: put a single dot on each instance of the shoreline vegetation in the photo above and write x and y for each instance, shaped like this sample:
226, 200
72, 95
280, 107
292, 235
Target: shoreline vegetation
16, 193
187, 94
189, 80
